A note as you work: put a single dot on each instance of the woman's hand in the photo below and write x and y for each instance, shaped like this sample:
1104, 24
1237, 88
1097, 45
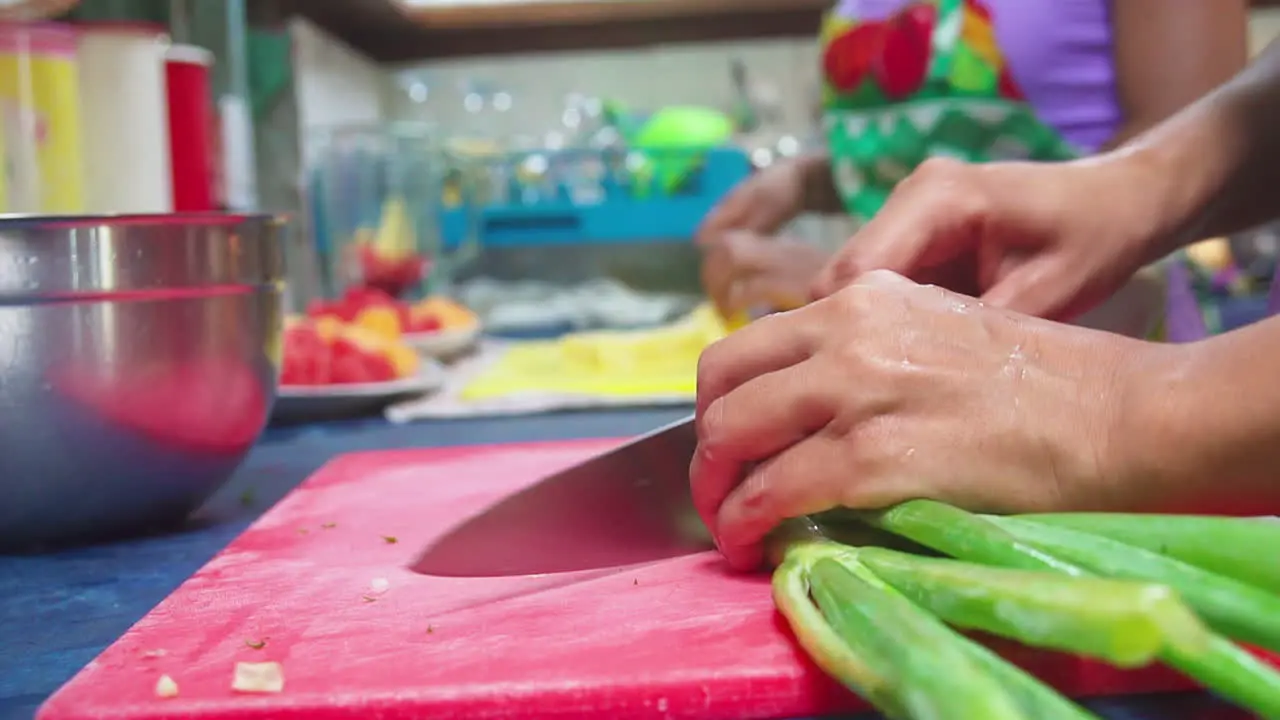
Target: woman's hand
743, 270
888, 390
1051, 240
749, 217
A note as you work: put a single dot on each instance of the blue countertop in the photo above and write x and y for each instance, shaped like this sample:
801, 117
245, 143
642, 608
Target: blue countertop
58, 611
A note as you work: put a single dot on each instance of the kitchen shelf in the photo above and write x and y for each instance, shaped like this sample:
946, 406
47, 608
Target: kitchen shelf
390, 32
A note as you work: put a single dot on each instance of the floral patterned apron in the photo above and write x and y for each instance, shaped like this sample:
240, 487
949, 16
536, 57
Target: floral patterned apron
927, 81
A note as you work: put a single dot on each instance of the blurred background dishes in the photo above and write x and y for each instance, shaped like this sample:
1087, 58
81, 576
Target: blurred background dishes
139, 358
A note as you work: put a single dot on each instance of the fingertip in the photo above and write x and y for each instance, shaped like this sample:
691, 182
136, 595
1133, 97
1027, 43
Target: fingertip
801, 480
744, 558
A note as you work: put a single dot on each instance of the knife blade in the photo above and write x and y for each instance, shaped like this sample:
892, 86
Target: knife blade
627, 506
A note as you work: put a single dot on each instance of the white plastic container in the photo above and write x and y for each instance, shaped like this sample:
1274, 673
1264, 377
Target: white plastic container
124, 99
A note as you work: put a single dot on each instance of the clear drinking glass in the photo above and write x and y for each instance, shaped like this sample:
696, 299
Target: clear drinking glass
377, 196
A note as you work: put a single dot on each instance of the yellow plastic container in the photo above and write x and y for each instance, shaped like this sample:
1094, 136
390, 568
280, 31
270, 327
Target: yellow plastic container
41, 144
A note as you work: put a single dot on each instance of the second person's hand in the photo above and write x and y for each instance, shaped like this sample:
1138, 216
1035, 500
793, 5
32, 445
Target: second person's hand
888, 391
1051, 240
753, 212
743, 271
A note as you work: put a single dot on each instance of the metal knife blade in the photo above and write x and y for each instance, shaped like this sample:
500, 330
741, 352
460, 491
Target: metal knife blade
630, 505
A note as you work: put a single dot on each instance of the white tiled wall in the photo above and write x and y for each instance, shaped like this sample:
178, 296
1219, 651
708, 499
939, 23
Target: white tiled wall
336, 85
333, 84
650, 78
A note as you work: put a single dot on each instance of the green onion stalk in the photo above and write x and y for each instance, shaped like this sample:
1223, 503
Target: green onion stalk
877, 614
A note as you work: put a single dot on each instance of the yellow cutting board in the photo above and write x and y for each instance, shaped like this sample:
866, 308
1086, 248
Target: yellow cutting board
614, 364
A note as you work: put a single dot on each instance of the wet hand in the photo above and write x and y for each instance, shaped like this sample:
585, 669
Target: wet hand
886, 391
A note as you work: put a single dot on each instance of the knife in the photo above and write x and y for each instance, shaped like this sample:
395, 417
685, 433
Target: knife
628, 506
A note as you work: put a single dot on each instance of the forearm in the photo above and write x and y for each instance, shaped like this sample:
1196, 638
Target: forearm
1214, 168
1207, 417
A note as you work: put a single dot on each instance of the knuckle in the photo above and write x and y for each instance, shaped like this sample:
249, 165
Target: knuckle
757, 494
939, 169
881, 276
852, 356
852, 304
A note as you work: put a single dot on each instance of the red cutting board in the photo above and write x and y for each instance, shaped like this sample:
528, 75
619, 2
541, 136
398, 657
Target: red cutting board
681, 638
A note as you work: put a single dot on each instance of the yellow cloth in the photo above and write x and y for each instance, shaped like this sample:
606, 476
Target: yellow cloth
633, 363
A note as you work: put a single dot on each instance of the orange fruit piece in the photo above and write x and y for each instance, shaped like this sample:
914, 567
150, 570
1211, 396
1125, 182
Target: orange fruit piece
450, 314
382, 320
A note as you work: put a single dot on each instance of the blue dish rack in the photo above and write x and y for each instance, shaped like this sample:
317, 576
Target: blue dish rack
663, 205
662, 202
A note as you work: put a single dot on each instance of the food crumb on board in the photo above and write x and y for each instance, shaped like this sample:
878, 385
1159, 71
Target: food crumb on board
377, 586
390, 539
303, 531
256, 644
151, 654
635, 581
258, 677
166, 687
328, 526
430, 629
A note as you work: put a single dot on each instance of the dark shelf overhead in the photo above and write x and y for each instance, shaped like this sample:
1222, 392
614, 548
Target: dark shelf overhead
391, 33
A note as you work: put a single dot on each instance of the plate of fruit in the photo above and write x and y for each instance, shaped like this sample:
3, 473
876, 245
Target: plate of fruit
435, 327
333, 368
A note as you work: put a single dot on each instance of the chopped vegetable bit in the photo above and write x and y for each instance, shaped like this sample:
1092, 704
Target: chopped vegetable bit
256, 644
329, 526
390, 539
255, 677
430, 629
246, 498
369, 598
166, 687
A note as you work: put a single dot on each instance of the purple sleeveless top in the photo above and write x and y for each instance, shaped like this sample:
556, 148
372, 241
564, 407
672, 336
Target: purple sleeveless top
1060, 54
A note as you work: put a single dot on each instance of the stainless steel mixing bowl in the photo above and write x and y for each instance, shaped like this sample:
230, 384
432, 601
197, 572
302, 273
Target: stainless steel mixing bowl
139, 357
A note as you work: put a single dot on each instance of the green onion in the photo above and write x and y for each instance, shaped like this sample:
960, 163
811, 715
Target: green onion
1232, 673
856, 670
1036, 700
1247, 549
929, 675
964, 535
1124, 623
1241, 611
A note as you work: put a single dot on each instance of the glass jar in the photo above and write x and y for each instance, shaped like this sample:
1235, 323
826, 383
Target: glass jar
376, 193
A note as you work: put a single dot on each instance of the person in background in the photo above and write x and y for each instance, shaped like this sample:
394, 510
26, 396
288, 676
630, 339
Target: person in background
979, 80
885, 389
